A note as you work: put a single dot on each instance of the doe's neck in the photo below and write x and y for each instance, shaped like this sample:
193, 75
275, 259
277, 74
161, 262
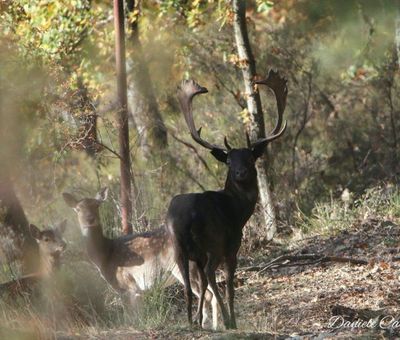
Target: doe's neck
48, 263
97, 245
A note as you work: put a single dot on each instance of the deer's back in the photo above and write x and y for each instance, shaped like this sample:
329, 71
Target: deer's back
142, 259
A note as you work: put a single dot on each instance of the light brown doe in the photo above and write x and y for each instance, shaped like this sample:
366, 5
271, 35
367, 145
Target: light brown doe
132, 263
51, 246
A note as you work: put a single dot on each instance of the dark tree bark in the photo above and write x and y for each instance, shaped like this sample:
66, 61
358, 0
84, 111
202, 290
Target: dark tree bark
143, 102
125, 161
397, 33
256, 126
12, 218
393, 119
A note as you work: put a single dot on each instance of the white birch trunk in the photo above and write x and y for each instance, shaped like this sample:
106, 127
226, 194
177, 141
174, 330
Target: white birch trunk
256, 126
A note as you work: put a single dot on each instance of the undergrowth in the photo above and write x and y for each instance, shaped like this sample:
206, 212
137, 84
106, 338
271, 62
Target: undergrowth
338, 214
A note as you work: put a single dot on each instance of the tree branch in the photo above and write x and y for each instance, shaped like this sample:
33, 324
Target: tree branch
293, 261
192, 147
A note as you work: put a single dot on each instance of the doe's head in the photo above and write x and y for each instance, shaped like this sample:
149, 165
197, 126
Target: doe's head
87, 209
50, 240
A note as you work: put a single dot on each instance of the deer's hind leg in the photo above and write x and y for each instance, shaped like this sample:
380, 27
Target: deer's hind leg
195, 285
210, 269
182, 260
202, 283
210, 301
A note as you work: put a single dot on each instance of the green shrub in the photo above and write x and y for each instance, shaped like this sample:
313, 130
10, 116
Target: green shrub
338, 214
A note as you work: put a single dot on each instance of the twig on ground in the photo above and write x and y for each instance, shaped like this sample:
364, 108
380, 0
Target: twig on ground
306, 259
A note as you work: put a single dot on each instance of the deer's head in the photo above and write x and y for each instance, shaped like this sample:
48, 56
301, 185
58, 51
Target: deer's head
50, 240
241, 162
87, 209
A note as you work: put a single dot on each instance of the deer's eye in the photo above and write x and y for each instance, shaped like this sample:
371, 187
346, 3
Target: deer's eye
46, 239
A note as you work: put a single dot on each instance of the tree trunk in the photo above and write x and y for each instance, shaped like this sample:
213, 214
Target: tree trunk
256, 126
12, 216
144, 106
397, 33
393, 113
125, 161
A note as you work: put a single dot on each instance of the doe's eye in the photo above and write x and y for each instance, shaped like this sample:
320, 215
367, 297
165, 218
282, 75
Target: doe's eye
46, 239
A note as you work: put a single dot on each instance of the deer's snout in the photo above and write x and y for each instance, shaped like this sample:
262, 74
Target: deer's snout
90, 220
59, 249
241, 174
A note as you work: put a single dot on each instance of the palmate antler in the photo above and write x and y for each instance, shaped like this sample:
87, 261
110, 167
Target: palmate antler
278, 85
186, 92
189, 89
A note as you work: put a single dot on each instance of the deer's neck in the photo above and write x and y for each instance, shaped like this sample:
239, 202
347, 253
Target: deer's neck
48, 263
98, 246
244, 196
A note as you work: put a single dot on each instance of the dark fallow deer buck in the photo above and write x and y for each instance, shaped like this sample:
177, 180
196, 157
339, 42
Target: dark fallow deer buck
206, 228
133, 263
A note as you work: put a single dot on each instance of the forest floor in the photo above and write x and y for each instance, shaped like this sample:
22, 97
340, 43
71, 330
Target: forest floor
299, 296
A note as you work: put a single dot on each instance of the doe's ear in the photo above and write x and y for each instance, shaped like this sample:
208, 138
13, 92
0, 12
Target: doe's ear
220, 155
61, 226
258, 150
70, 200
102, 194
35, 232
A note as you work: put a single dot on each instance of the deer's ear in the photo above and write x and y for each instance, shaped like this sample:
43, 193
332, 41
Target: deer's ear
220, 155
70, 200
35, 232
61, 226
258, 150
102, 194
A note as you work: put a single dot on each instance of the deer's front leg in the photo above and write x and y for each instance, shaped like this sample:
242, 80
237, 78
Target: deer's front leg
230, 267
128, 284
135, 299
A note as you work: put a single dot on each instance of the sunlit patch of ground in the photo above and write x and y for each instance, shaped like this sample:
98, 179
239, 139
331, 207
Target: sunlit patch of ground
303, 299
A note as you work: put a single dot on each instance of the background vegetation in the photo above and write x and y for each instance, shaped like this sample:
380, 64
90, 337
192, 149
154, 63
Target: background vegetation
339, 156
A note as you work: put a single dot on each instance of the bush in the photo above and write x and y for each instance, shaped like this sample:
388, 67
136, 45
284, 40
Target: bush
338, 214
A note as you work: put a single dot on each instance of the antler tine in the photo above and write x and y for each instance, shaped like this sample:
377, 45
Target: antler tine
186, 92
228, 147
278, 85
